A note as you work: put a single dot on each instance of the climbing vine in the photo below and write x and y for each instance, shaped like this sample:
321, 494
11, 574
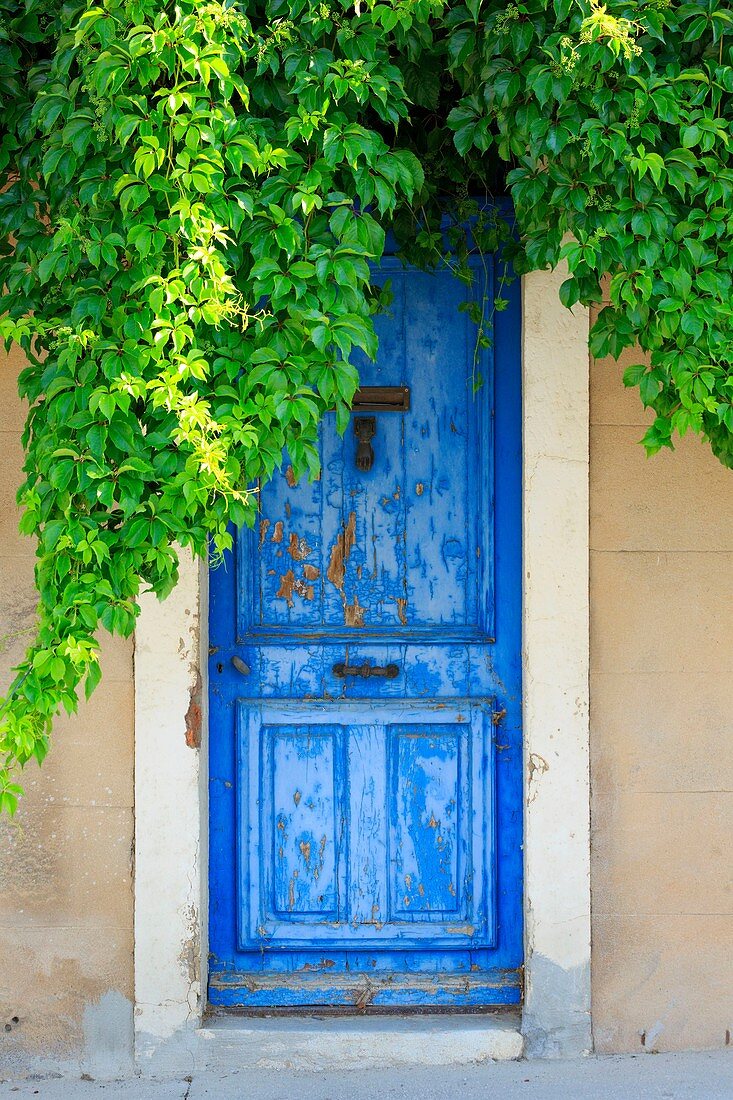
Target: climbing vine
194, 194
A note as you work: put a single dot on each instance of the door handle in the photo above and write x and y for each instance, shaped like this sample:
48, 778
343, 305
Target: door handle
387, 672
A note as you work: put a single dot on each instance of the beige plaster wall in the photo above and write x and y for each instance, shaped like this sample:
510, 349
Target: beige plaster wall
661, 537
66, 903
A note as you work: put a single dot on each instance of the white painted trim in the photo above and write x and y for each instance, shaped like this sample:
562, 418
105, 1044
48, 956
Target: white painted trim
171, 855
171, 810
556, 645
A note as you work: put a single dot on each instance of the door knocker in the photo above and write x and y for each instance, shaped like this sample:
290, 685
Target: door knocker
364, 430
376, 399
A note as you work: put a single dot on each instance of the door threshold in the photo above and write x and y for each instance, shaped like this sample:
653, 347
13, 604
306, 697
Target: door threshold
317, 1011
323, 1042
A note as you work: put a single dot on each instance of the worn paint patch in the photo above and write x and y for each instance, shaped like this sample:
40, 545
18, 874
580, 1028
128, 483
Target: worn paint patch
336, 572
354, 613
306, 591
290, 585
322, 964
190, 954
556, 1018
341, 552
108, 1035
537, 766
298, 548
287, 584
193, 717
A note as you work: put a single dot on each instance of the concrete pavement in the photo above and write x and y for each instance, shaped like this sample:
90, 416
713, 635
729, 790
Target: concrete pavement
706, 1076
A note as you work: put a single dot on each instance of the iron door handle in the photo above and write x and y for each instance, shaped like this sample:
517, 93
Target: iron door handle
387, 672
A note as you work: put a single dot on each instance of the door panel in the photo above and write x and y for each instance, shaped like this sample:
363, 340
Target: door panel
365, 828
406, 547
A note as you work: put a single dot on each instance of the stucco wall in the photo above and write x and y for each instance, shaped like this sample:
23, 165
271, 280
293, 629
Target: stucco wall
66, 959
661, 538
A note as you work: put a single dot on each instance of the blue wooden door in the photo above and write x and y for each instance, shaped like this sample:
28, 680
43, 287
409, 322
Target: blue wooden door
365, 752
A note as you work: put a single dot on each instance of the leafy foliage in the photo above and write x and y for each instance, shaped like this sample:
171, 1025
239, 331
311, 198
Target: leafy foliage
196, 191
617, 122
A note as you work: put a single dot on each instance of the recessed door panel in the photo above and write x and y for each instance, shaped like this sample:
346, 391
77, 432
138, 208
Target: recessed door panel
365, 828
430, 801
405, 545
302, 794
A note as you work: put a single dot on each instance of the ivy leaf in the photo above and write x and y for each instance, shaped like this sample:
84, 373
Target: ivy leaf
562, 9
634, 374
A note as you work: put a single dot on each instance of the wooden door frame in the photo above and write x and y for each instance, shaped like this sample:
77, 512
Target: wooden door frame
171, 806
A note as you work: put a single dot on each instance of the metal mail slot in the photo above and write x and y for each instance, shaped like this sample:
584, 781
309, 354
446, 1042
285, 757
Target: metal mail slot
382, 399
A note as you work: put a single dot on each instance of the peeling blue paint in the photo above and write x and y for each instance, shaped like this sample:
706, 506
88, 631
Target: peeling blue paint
366, 832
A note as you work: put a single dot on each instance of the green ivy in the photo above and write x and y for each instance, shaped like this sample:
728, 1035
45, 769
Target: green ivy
196, 194
616, 120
